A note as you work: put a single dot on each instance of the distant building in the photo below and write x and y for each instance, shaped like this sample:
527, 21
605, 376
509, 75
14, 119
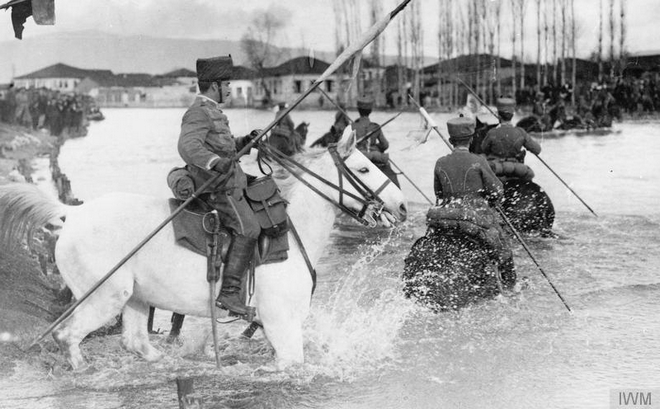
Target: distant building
59, 77
182, 76
242, 87
175, 89
292, 78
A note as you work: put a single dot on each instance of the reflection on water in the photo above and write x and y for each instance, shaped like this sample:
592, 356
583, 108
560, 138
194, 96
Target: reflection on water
368, 347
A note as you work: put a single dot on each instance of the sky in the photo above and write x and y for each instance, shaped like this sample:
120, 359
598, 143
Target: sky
311, 22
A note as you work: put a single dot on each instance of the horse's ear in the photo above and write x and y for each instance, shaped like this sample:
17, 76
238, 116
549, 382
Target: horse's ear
346, 144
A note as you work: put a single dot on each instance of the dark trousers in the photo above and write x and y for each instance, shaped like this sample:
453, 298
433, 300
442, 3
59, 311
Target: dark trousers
234, 212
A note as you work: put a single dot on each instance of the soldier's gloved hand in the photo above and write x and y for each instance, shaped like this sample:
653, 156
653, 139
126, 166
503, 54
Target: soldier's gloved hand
223, 165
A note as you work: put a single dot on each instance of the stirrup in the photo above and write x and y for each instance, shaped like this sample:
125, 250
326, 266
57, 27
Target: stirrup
250, 312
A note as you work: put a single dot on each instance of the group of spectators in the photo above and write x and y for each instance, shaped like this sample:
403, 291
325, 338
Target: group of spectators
596, 104
41, 108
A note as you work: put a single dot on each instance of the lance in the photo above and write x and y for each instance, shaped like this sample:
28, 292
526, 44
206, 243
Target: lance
537, 156
371, 133
349, 52
431, 123
529, 252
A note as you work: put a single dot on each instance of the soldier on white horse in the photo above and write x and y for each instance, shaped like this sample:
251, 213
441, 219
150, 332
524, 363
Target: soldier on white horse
207, 146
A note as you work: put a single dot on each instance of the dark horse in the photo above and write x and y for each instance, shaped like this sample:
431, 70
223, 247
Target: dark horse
528, 207
448, 269
287, 142
332, 136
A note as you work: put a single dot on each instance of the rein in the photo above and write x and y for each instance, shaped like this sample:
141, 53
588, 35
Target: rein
369, 199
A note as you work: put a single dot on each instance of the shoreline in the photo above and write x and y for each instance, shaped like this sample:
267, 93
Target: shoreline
32, 294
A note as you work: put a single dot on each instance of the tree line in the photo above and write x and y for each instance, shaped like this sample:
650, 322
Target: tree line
476, 28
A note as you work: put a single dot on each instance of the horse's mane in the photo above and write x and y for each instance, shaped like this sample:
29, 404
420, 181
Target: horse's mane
285, 180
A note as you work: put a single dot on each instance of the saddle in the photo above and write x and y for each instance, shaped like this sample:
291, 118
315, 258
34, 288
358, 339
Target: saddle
475, 222
192, 231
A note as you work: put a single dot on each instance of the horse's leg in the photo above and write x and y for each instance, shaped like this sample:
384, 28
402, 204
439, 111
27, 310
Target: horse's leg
282, 322
286, 337
135, 337
97, 310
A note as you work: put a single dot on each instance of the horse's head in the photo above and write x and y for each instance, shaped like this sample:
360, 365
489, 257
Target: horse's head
389, 204
302, 129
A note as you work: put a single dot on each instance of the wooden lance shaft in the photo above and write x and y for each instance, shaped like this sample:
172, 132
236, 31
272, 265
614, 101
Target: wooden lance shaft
431, 122
371, 133
351, 50
522, 242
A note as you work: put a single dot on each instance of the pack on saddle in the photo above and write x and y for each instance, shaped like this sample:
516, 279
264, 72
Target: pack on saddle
503, 146
198, 228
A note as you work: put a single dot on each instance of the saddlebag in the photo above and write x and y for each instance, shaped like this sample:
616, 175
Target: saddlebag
181, 183
466, 220
268, 206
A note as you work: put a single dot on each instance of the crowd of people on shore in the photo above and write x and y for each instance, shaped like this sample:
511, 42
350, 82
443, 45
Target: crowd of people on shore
41, 108
596, 105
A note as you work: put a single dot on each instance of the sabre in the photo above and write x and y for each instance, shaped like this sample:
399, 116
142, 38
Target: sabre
349, 52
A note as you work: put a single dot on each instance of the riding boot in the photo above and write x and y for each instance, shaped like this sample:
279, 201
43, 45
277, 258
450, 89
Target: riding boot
238, 258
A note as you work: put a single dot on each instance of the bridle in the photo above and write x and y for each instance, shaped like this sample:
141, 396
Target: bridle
372, 204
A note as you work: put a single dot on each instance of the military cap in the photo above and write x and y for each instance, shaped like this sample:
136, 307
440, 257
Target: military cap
460, 129
365, 103
506, 105
214, 69
281, 105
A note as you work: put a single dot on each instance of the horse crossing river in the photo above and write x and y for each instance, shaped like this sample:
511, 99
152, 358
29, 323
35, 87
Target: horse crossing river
366, 345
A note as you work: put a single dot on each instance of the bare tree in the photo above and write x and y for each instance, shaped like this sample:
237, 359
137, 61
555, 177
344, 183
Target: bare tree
498, 14
514, 15
563, 6
600, 43
416, 45
522, 5
612, 41
622, 39
538, 44
546, 29
554, 42
573, 40
377, 47
258, 43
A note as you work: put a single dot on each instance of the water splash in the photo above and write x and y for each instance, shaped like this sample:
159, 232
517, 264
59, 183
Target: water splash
357, 329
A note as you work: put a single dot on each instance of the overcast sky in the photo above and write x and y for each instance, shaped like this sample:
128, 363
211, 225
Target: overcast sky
311, 21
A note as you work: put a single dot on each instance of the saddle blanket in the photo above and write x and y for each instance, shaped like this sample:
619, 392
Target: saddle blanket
189, 233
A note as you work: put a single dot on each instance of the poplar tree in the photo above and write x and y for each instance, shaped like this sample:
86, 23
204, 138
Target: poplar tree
600, 43
622, 39
538, 44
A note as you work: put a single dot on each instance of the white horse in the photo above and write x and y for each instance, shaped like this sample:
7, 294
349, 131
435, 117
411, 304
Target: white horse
99, 233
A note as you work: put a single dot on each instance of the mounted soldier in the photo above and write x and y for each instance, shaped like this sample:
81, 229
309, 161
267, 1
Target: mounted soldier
503, 146
375, 145
465, 180
208, 147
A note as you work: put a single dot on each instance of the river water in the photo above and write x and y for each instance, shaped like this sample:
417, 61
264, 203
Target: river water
367, 346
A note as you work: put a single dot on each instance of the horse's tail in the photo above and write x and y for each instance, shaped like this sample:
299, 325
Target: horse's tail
23, 208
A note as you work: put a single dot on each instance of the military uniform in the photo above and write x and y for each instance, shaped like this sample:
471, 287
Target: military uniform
206, 139
375, 145
284, 136
503, 146
465, 179
207, 146
464, 175
506, 141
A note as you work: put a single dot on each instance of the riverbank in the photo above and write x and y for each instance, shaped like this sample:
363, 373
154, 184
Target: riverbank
30, 290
